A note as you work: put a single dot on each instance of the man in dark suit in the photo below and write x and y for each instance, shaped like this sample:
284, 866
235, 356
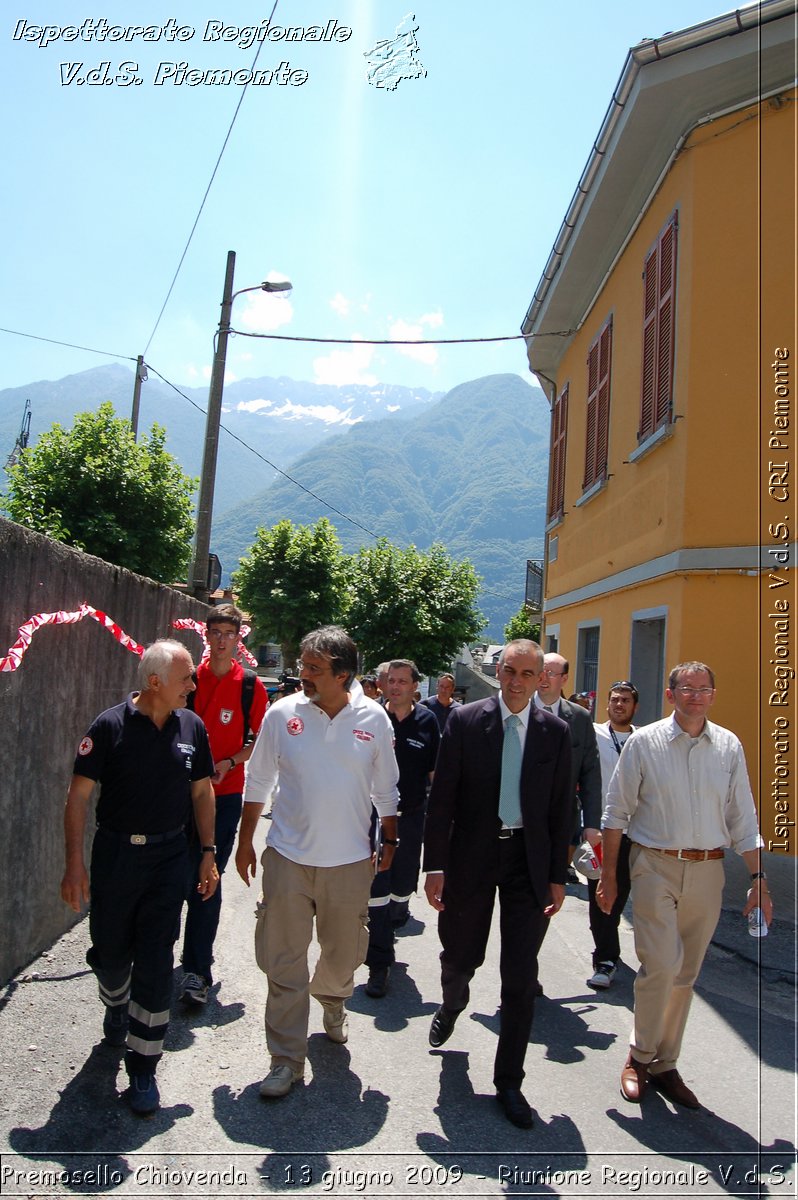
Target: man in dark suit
586, 794
500, 817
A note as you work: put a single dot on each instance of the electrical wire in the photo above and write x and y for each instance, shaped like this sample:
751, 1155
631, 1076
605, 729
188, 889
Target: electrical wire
483, 591
268, 462
244, 90
508, 337
71, 345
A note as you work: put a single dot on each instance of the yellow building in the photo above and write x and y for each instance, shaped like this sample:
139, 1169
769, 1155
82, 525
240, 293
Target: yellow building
663, 332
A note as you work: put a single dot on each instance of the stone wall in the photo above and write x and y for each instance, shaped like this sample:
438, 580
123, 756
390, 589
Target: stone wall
68, 675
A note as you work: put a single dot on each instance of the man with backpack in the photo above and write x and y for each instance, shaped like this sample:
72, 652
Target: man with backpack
231, 702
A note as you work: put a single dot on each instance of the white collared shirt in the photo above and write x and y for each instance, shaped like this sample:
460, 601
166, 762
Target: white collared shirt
555, 707
671, 791
325, 773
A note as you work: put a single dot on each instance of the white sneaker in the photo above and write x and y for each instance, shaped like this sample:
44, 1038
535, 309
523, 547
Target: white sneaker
603, 976
194, 990
336, 1023
279, 1081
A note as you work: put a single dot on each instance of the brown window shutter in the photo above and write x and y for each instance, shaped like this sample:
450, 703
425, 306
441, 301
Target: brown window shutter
603, 416
666, 330
659, 330
598, 407
559, 430
649, 344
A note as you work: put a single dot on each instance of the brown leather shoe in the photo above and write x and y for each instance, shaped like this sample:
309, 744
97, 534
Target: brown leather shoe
634, 1078
671, 1084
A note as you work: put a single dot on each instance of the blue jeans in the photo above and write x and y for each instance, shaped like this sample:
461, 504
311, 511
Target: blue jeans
202, 917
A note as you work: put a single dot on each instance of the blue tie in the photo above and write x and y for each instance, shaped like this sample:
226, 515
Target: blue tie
510, 793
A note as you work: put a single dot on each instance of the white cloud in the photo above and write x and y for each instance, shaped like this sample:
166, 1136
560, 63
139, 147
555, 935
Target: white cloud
262, 312
345, 366
402, 330
340, 304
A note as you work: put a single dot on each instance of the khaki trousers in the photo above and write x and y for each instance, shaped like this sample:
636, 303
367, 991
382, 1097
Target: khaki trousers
293, 895
675, 908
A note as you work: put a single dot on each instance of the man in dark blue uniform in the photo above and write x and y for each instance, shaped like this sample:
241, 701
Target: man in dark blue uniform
153, 762
416, 739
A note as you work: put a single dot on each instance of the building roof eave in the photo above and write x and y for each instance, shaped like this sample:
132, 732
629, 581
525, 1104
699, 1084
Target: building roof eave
732, 58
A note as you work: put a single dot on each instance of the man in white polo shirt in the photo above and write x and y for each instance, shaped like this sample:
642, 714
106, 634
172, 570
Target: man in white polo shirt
327, 755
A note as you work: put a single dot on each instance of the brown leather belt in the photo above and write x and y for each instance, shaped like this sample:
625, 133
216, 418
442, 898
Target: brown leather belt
693, 855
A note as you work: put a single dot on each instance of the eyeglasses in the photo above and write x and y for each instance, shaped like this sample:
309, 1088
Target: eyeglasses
311, 668
548, 671
223, 635
623, 683
684, 690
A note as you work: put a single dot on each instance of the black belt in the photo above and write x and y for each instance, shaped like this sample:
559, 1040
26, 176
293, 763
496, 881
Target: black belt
504, 834
143, 839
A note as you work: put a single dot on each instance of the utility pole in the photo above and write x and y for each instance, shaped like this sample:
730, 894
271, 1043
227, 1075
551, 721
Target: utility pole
141, 377
198, 578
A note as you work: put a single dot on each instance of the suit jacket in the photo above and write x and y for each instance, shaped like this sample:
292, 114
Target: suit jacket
585, 765
461, 833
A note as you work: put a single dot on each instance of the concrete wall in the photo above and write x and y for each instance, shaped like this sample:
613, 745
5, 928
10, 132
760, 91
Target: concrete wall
68, 675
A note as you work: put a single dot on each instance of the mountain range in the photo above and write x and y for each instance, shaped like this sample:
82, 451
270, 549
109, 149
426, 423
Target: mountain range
468, 469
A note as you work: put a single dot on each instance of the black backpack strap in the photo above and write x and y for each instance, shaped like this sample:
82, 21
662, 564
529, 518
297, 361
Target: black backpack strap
247, 694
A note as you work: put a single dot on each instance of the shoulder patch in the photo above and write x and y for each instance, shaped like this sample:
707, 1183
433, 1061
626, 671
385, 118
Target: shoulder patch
86, 746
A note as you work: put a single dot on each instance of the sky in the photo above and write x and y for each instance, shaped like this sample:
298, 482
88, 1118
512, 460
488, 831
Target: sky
424, 211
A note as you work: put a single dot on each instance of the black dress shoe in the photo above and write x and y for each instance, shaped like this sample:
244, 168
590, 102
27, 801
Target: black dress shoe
515, 1107
442, 1025
377, 984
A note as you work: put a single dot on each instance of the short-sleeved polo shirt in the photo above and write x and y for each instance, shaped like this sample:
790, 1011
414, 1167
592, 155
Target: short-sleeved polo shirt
145, 773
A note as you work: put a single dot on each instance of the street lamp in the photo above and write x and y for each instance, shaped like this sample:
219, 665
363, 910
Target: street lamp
199, 574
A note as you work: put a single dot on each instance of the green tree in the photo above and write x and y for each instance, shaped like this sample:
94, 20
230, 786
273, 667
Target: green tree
522, 626
293, 580
93, 486
412, 604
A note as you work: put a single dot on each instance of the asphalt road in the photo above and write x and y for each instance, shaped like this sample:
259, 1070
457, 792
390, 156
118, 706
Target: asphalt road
387, 1116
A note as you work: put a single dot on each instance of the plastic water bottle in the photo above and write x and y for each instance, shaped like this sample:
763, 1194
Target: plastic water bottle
757, 925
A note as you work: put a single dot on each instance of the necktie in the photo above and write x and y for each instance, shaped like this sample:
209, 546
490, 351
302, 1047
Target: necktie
510, 793
547, 708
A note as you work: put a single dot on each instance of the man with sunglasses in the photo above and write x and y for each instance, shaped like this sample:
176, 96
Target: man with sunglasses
231, 703
681, 792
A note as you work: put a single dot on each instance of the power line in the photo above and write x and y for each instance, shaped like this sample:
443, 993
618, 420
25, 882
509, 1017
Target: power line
244, 90
509, 337
268, 462
71, 345
483, 590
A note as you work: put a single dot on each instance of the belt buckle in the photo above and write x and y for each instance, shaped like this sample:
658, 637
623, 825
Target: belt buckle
505, 834
138, 839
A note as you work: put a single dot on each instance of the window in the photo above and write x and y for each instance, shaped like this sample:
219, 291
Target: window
588, 658
659, 294
559, 427
598, 407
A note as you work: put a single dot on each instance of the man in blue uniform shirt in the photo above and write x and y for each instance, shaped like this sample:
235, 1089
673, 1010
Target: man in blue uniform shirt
416, 740
153, 762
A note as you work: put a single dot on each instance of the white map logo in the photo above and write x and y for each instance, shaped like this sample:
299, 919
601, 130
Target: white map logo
391, 60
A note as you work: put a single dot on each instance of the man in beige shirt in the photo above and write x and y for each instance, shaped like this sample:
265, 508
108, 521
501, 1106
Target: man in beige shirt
681, 792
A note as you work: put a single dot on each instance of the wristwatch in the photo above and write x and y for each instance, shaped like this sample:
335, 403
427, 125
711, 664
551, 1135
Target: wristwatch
208, 849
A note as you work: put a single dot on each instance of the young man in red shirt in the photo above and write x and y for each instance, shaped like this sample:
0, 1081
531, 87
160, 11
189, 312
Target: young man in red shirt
231, 703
